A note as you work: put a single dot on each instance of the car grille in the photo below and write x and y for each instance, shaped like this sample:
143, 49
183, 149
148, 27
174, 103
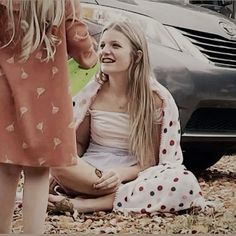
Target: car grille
212, 120
218, 50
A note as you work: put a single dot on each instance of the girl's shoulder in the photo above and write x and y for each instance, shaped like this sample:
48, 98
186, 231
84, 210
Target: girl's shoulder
158, 102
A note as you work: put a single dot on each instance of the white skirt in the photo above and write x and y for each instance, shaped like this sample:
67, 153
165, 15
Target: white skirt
104, 158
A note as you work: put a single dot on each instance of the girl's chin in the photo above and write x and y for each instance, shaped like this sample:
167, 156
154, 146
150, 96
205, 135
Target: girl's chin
111, 70
107, 70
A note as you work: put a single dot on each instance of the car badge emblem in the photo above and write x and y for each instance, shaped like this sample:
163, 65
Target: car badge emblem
229, 28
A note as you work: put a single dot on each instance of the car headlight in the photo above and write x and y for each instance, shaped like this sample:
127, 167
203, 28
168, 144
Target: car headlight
153, 30
186, 45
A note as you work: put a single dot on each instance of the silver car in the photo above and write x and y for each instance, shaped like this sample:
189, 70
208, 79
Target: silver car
193, 54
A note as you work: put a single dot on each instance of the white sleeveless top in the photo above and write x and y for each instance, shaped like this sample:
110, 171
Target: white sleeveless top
109, 140
111, 129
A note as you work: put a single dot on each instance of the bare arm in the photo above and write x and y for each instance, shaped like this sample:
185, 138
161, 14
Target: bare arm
128, 173
79, 43
83, 136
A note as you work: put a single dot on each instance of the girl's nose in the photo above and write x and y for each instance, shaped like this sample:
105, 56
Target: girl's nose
106, 50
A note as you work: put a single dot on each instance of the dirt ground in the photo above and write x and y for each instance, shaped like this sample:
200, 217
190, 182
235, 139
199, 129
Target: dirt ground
218, 185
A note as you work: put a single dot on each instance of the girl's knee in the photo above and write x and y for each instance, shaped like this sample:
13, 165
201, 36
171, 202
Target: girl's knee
36, 171
10, 170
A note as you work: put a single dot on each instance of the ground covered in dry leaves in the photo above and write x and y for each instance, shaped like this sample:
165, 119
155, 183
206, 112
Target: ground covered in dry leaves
218, 185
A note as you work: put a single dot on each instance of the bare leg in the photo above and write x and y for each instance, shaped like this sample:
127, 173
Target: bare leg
9, 177
35, 199
103, 203
79, 179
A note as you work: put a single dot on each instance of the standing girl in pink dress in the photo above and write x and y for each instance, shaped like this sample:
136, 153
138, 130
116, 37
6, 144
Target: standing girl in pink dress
36, 123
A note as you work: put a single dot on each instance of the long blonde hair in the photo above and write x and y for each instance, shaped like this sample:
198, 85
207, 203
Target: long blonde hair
141, 101
33, 25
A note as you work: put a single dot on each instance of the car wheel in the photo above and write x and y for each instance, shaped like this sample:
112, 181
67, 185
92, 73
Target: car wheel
196, 161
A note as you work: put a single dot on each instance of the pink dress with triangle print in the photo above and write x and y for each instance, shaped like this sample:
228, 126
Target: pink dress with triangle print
36, 117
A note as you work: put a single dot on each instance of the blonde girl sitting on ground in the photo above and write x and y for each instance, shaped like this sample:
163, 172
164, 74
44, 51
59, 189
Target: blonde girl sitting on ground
128, 137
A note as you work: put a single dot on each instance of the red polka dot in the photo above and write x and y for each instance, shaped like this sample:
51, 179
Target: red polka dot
143, 211
149, 205
159, 188
126, 199
172, 209
164, 151
163, 207
140, 188
176, 179
171, 123
172, 142
200, 193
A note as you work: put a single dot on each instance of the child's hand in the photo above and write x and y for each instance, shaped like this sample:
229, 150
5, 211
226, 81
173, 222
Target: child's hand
109, 180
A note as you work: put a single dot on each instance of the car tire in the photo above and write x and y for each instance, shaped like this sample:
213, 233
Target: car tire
197, 161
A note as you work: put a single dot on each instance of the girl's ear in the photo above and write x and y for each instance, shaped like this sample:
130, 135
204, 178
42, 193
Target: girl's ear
139, 55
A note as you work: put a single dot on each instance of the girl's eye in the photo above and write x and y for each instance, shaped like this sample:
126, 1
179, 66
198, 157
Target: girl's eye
116, 45
102, 45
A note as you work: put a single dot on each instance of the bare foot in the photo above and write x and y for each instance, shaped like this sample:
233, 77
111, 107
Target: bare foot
54, 198
61, 204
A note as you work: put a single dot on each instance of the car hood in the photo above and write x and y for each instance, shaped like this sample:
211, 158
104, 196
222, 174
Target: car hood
177, 14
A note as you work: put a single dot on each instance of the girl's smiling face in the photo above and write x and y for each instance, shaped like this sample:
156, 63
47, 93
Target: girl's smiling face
114, 52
